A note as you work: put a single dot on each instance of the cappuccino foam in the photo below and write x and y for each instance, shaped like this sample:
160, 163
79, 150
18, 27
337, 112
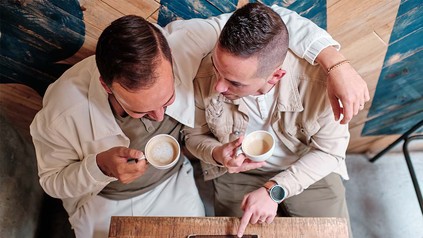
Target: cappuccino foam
162, 153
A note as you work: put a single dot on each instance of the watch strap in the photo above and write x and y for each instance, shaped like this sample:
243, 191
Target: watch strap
269, 184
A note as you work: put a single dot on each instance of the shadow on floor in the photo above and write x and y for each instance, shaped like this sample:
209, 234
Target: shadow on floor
54, 220
381, 198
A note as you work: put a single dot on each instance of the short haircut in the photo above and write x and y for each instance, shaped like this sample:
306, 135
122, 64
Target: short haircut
128, 52
255, 30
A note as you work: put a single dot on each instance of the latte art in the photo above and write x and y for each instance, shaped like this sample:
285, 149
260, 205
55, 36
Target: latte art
162, 152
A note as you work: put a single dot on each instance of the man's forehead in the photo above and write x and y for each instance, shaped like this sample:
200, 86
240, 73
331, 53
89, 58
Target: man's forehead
233, 68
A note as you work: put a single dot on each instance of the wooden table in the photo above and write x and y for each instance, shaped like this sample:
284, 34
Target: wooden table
181, 227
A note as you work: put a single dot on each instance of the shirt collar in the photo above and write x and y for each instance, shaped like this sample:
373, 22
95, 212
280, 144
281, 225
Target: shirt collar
102, 119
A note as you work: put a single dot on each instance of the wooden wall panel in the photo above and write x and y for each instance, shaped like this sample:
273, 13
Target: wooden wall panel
362, 27
398, 100
19, 104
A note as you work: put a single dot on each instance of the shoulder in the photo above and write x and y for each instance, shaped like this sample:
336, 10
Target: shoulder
205, 76
309, 80
195, 33
70, 91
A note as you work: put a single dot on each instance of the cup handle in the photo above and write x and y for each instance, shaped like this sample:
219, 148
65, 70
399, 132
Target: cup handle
239, 151
135, 160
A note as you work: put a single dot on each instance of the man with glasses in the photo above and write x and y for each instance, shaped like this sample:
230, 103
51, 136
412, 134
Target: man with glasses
100, 114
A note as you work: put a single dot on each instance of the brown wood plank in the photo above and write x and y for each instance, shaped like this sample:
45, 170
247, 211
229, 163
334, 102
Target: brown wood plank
154, 17
99, 14
144, 8
19, 104
363, 28
182, 227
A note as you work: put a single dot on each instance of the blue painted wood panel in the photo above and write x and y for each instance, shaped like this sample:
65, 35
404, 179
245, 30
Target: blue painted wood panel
187, 9
35, 35
398, 101
313, 10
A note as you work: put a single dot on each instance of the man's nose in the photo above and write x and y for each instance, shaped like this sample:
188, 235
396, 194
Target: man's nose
220, 86
157, 115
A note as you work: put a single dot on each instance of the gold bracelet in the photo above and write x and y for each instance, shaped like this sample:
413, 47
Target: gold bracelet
337, 65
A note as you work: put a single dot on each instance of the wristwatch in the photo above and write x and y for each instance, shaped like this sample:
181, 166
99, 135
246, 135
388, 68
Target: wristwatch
276, 192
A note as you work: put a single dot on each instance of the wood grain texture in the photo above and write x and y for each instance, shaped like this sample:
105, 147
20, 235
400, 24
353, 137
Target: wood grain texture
182, 227
19, 104
362, 27
398, 101
34, 36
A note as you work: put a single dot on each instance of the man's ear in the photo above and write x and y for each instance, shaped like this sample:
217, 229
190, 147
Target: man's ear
108, 90
277, 75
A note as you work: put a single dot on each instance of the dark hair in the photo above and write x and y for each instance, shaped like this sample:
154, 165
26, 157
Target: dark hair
128, 52
256, 30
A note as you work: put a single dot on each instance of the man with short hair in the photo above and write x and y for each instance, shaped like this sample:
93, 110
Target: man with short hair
253, 82
100, 114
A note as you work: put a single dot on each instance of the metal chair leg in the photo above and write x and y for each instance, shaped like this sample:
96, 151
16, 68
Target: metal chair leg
407, 137
411, 169
403, 137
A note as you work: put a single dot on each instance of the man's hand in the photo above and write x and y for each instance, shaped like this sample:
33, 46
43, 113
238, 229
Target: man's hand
226, 155
345, 86
258, 208
114, 163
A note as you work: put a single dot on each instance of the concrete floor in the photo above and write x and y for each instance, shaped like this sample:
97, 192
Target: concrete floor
381, 197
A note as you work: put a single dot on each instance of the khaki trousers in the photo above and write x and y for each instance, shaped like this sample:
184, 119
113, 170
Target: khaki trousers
325, 198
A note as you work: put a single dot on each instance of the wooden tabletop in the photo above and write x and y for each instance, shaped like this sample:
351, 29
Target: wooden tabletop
182, 227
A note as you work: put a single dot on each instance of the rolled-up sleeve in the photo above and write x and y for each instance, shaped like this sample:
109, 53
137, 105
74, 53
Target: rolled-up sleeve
306, 39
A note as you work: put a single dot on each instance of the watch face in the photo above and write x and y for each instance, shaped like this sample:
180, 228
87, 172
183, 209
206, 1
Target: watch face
277, 193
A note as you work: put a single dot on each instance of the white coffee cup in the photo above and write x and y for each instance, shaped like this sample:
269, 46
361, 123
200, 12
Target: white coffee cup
257, 146
162, 151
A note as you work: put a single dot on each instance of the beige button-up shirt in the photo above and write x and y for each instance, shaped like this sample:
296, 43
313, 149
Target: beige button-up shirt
302, 120
76, 122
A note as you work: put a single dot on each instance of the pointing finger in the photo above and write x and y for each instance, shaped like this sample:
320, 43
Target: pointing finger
243, 224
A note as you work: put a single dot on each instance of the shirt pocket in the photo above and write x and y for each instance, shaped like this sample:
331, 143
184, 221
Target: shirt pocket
298, 138
304, 132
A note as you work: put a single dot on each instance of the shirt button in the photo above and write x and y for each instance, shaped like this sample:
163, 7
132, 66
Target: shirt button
236, 133
206, 172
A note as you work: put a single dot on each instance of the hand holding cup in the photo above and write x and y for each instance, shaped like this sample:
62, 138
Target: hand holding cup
258, 146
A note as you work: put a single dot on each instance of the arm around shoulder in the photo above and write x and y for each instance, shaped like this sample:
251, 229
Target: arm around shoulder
306, 39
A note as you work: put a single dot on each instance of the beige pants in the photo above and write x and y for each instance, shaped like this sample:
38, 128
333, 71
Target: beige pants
325, 198
176, 196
